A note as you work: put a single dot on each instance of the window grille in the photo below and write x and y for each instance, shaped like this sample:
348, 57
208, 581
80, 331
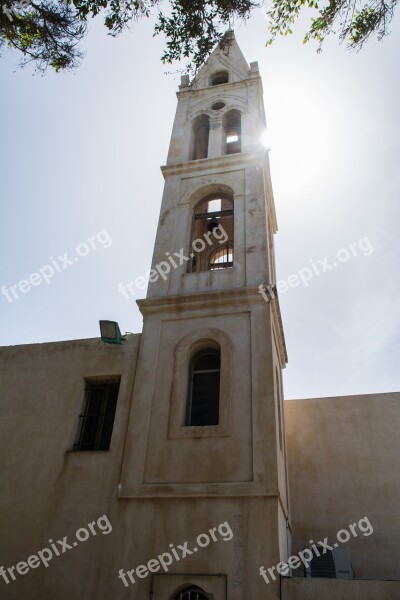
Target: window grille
97, 420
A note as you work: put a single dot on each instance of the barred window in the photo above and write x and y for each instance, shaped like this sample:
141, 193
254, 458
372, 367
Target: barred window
223, 258
97, 420
212, 227
323, 565
191, 594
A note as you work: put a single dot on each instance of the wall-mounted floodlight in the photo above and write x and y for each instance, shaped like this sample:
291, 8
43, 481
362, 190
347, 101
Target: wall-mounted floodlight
110, 333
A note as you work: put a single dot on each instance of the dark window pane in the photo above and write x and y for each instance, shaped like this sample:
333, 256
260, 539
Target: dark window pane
94, 400
206, 362
203, 394
205, 399
96, 423
89, 429
323, 566
106, 430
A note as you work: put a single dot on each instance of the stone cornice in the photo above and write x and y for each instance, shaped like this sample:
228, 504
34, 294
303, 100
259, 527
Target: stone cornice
227, 161
186, 91
199, 300
239, 297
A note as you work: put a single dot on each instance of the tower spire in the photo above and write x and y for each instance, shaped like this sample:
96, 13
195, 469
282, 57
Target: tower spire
207, 417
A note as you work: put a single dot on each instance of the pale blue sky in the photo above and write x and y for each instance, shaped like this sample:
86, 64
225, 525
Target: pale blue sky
80, 154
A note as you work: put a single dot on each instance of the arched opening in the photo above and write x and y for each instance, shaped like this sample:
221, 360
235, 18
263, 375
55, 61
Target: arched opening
219, 78
202, 406
212, 231
201, 133
233, 132
222, 258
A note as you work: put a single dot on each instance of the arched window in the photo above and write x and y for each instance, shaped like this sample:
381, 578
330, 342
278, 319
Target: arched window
193, 593
201, 133
219, 78
212, 231
222, 258
233, 132
202, 406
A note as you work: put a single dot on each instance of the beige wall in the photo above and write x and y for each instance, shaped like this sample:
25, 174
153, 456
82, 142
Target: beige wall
334, 589
49, 492
343, 456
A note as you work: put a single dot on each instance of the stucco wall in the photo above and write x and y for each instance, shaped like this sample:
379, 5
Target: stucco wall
342, 466
343, 456
335, 589
49, 492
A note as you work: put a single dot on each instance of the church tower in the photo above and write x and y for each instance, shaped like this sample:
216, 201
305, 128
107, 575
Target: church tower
205, 441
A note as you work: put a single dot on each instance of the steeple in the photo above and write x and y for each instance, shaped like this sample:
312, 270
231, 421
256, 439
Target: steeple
217, 168
207, 416
225, 83
226, 56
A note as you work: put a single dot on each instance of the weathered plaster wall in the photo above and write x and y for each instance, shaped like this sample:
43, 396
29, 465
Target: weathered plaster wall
343, 456
49, 492
335, 589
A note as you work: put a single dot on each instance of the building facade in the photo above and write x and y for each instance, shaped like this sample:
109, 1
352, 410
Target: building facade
158, 468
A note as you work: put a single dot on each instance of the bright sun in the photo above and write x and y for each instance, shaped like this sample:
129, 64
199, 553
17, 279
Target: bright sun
299, 134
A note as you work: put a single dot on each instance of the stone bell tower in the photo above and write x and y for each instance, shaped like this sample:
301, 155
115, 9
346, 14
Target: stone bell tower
205, 441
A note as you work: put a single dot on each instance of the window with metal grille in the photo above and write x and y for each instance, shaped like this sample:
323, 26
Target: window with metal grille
323, 566
191, 594
203, 393
213, 221
97, 420
223, 258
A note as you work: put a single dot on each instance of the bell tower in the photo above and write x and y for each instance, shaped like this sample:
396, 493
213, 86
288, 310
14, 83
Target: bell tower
205, 440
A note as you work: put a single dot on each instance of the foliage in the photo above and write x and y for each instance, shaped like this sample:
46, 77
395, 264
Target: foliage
48, 32
353, 21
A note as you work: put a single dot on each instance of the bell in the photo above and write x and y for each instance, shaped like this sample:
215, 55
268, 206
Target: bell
212, 224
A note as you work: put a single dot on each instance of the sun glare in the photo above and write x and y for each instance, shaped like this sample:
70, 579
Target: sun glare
300, 134
265, 139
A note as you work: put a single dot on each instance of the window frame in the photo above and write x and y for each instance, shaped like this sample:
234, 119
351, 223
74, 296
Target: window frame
220, 215
201, 123
185, 350
232, 122
181, 595
107, 384
228, 264
192, 372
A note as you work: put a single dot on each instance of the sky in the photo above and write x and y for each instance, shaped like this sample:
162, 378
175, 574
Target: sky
81, 188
